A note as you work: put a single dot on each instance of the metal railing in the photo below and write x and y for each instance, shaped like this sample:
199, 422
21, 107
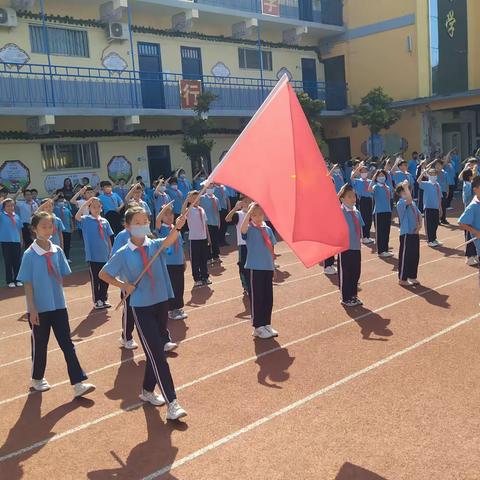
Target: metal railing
37, 85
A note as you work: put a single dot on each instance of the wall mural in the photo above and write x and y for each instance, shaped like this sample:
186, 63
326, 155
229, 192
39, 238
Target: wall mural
55, 182
113, 61
284, 71
220, 70
13, 56
14, 175
119, 167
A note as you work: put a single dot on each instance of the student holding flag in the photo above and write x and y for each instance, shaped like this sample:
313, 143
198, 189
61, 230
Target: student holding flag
383, 211
260, 242
365, 199
11, 241
43, 266
149, 302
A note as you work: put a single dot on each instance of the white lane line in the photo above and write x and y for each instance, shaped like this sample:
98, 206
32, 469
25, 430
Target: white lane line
129, 408
305, 400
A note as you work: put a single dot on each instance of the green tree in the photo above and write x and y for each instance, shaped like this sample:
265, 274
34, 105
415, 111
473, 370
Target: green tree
375, 112
196, 145
313, 110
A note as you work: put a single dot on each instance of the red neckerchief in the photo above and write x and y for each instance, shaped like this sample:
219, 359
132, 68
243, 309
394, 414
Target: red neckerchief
11, 216
51, 269
100, 228
266, 238
143, 253
356, 222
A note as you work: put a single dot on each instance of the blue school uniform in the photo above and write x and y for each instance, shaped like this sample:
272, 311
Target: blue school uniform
65, 215
221, 194
110, 202
177, 197
120, 240
450, 171
127, 264
431, 195
121, 191
361, 187
389, 180
175, 254
160, 200
442, 179
400, 177
354, 238
58, 228
471, 216
412, 167
259, 256
382, 195
208, 204
26, 210
8, 231
34, 270
96, 248
338, 180
467, 193
184, 186
198, 184
145, 206
231, 192
409, 216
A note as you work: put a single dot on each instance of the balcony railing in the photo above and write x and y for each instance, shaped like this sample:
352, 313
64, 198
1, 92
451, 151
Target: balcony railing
55, 86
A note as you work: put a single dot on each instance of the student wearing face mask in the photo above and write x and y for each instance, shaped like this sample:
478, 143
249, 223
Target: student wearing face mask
432, 203
160, 196
365, 199
184, 184
149, 302
382, 195
337, 177
198, 180
210, 203
176, 195
410, 224
350, 261
62, 211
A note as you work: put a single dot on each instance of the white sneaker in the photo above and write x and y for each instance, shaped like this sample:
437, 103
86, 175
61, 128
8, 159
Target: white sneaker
404, 283
11, 285
472, 261
332, 270
175, 315
432, 244
385, 254
107, 305
98, 305
198, 283
350, 303
169, 347
175, 411
414, 281
271, 330
262, 332
152, 397
128, 344
438, 242
80, 389
183, 314
19, 284
40, 385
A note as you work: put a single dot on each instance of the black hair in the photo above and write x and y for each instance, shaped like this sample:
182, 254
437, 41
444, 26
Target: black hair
344, 190
105, 183
132, 211
476, 182
34, 190
38, 216
467, 175
402, 162
414, 153
381, 171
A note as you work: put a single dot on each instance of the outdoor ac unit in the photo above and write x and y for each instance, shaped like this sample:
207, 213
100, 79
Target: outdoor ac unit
38, 125
118, 31
120, 125
22, 4
113, 11
8, 17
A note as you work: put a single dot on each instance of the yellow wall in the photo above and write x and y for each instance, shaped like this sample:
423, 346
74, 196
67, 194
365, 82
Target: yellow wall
365, 12
473, 10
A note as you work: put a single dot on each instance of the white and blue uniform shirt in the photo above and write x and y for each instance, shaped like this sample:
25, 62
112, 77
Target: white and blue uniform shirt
361, 187
26, 210
354, 227
97, 249
259, 256
64, 213
382, 195
467, 193
58, 228
161, 199
10, 231
211, 205
409, 216
471, 216
177, 197
221, 193
431, 195
338, 180
110, 202
120, 241
400, 177
450, 170
121, 191
47, 286
231, 192
175, 252
412, 167
127, 264
184, 186
442, 179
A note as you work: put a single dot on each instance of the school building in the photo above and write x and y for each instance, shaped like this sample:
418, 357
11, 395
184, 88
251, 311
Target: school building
103, 89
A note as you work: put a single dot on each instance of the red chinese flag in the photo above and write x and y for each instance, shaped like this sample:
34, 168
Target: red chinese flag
276, 161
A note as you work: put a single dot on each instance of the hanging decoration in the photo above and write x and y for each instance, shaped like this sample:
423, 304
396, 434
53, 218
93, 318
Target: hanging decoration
113, 61
220, 70
13, 56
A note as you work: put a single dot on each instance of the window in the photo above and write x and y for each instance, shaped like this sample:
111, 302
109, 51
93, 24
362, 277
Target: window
249, 58
57, 156
61, 41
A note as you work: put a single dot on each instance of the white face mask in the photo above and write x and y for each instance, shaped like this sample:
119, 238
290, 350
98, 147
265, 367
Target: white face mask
139, 231
174, 187
381, 179
364, 175
163, 188
210, 191
337, 171
432, 178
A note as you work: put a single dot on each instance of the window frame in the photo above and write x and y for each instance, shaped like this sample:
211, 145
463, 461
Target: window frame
31, 26
266, 54
81, 164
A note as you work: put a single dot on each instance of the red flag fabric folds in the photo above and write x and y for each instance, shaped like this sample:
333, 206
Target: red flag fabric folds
276, 161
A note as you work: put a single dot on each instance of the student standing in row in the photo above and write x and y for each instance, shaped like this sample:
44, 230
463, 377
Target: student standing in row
260, 242
382, 212
350, 261
176, 195
43, 267
211, 206
96, 236
184, 184
64, 213
149, 302
410, 224
121, 189
58, 226
135, 195
160, 196
236, 216
432, 204
365, 199
112, 206
224, 207
442, 180
11, 241
467, 197
199, 238
25, 211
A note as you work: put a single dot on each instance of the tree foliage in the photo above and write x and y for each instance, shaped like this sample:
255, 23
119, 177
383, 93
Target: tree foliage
313, 110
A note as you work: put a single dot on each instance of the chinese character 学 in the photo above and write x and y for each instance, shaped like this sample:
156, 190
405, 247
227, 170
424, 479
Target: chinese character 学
450, 23
190, 90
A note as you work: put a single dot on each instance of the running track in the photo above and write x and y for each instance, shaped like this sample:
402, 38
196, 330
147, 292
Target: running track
387, 391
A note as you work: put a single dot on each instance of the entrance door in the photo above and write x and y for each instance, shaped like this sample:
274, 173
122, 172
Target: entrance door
452, 137
309, 77
191, 63
150, 65
159, 161
336, 91
339, 150
305, 10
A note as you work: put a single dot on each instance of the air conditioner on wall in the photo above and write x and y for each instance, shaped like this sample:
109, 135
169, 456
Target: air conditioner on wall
8, 17
125, 124
118, 31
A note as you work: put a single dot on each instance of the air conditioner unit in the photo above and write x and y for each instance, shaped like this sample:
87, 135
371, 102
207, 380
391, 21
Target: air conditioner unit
22, 4
120, 125
118, 31
8, 17
113, 11
38, 126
